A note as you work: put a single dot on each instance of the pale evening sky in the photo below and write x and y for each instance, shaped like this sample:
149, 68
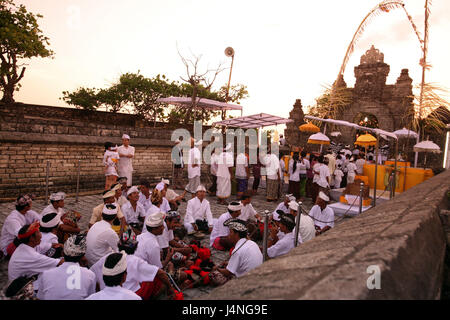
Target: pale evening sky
285, 50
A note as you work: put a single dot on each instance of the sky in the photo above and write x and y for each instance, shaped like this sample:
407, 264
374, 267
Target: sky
284, 50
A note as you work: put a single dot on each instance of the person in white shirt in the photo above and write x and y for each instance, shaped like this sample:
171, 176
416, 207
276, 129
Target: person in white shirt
117, 188
304, 167
148, 246
172, 197
71, 280
145, 195
194, 166
114, 275
283, 206
271, 164
294, 175
172, 221
248, 213
277, 247
351, 171
321, 177
101, 238
133, 210
126, 154
26, 261
219, 234
246, 254
21, 216
322, 215
49, 245
198, 213
146, 280
56, 204
338, 174
224, 175
242, 174
110, 160
360, 164
307, 229
178, 165
214, 165
161, 187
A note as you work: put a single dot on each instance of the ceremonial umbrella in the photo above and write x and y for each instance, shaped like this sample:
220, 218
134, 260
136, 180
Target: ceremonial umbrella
319, 138
405, 133
366, 140
427, 146
309, 127
335, 134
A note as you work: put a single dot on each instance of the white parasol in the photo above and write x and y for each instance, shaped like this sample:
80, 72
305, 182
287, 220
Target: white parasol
405, 133
335, 134
427, 146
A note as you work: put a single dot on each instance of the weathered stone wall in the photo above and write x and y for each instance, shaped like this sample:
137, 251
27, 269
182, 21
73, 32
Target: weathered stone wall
404, 237
30, 135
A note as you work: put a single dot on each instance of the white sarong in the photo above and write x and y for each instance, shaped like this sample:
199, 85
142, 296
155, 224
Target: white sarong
223, 187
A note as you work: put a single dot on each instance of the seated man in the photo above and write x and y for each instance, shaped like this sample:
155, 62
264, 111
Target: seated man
277, 247
117, 188
219, 234
101, 238
108, 198
146, 280
148, 248
21, 216
133, 210
26, 261
171, 196
172, 222
246, 254
72, 280
56, 204
165, 206
198, 213
248, 213
145, 195
124, 187
322, 215
283, 206
114, 272
307, 228
49, 245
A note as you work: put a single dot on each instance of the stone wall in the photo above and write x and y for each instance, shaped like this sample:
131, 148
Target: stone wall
404, 237
31, 135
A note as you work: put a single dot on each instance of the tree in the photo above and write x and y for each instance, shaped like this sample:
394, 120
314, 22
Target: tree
199, 81
143, 94
82, 98
237, 93
113, 98
20, 38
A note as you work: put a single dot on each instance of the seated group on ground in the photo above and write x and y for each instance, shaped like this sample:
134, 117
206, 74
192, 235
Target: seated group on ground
138, 247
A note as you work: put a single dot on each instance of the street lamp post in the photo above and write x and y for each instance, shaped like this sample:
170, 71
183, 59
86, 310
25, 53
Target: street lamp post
229, 52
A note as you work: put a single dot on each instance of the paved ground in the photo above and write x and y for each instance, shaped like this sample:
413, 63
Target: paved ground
86, 203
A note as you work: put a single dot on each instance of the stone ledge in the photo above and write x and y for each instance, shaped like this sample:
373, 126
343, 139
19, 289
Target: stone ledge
26, 137
407, 242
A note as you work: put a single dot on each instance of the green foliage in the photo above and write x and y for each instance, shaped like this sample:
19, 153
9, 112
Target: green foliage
20, 38
84, 98
236, 93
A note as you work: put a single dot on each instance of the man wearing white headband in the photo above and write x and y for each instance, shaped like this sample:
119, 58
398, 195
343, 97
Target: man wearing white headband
18, 218
126, 153
101, 238
194, 166
198, 213
49, 245
224, 174
114, 275
56, 204
283, 206
148, 248
219, 234
58, 284
322, 215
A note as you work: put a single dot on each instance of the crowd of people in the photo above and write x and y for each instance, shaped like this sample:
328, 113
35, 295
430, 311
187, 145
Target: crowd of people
138, 246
